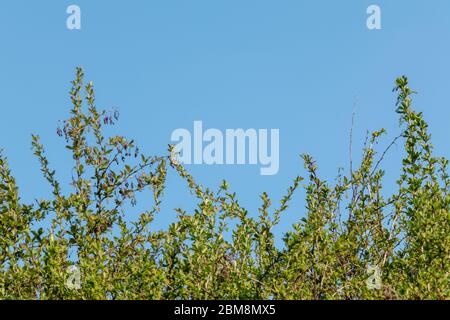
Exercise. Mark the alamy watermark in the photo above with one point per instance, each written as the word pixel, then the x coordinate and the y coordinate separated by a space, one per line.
pixel 73 21
pixel 73 281
pixel 235 146
pixel 374 19
pixel 374 280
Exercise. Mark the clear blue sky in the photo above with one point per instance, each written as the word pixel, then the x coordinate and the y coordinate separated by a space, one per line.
pixel 293 65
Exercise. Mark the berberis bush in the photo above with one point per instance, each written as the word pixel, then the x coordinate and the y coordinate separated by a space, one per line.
pixel 349 233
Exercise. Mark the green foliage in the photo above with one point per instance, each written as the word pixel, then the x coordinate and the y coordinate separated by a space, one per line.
pixel 348 227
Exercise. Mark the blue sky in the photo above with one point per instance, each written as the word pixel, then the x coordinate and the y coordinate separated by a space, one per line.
pixel 297 66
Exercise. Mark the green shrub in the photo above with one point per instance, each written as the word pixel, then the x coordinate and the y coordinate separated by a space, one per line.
pixel 348 229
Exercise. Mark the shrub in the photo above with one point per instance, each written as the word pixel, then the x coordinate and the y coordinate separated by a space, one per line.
pixel 349 228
